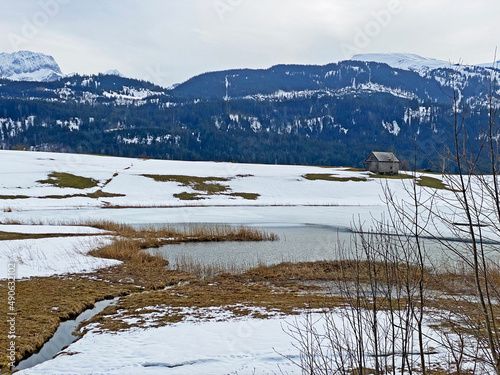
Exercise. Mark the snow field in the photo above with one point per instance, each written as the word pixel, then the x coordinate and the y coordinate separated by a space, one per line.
pixel 52 256
pixel 243 346
pixel 222 345
pixel 276 184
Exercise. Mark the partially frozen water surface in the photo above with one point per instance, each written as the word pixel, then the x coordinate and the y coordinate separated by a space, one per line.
pixel 297 243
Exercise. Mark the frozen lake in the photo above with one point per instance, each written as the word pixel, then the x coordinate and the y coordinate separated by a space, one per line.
pixel 297 243
pixel 307 233
pixel 338 216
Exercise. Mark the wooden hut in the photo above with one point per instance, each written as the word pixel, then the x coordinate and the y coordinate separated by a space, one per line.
pixel 382 163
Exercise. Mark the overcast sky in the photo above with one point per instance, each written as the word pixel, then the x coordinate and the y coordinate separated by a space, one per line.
pixel 169 41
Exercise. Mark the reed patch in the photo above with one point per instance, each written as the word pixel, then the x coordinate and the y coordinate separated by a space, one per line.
pixel 129 241
pixel 68 180
pixel 203 186
pixel 399 176
pixel 43 302
pixel 331 177
pixel 432 182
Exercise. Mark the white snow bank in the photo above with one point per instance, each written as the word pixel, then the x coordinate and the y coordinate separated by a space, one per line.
pixel 244 347
pixel 49 229
pixel 234 347
pixel 52 256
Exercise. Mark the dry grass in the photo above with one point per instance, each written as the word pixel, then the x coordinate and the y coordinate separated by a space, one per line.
pixel 185 196
pixel 431 182
pixel 204 233
pixel 68 180
pixel 102 194
pixel 330 177
pixel 14 197
pixel 247 196
pixel 186 263
pixel 95 195
pixel 142 279
pixel 130 241
pixel 106 225
pixel 9 236
pixel 399 176
pixel 225 291
pixel 346 270
pixel 42 303
pixel 204 184
pixel 353 169
pixel 260 292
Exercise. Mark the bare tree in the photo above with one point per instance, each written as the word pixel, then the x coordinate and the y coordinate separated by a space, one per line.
pixel 393 287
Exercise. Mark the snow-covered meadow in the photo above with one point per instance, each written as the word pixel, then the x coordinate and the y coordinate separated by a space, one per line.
pixel 275 184
pixel 285 197
pixel 223 344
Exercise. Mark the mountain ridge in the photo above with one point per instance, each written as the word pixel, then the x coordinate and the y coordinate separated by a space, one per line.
pixel 333 114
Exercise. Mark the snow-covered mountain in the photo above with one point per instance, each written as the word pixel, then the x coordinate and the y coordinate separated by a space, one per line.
pixel 405 61
pixel 293 114
pixel 29 66
pixel 413 62
pixel 113 72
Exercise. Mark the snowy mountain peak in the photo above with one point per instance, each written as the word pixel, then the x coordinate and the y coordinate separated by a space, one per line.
pixel 405 61
pixel 29 66
pixel 113 72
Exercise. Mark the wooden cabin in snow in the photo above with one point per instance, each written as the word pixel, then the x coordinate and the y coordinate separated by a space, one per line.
pixel 382 163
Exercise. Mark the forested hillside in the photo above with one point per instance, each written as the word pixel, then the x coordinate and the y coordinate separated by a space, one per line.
pixel 322 115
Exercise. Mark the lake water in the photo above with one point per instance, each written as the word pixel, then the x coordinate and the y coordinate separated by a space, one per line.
pixel 297 243
pixel 307 233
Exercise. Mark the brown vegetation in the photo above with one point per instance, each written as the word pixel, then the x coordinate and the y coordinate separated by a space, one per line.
pixel 330 177
pixel 68 180
pixel 42 303
pixel 204 186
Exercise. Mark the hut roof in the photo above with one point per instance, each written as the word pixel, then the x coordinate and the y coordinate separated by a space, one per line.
pixel 384 157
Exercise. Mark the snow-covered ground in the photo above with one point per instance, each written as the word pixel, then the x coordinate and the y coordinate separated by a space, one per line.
pixel 223 345
pixel 52 256
pixel 285 198
pixel 237 346
pixel 49 229
pixel 283 192
pixel 276 184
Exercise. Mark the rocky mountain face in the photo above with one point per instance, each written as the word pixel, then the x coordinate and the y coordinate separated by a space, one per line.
pixel 334 114
pixel 29 66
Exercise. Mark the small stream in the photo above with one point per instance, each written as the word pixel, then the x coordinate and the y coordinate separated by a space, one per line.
pixel 63 336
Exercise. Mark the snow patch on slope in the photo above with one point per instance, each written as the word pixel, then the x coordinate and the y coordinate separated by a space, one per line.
pixel 404 61
pixel 393 128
